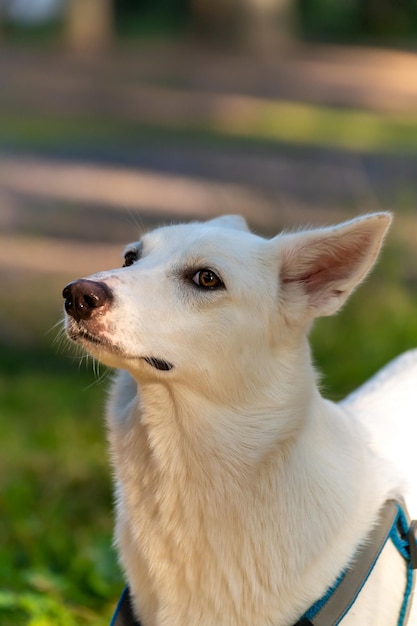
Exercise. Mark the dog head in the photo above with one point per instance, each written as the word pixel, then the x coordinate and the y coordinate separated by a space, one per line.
pixel 210 302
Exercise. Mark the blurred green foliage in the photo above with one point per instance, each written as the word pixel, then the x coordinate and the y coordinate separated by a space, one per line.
pixel 151 17
pixel 350 21
pixel 347 20
pixel 384 21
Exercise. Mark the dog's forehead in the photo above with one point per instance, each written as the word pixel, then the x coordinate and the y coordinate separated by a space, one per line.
pixel 201 239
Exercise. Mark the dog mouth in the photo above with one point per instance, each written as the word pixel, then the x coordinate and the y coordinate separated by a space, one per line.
pixel 159 364
pixel 81 335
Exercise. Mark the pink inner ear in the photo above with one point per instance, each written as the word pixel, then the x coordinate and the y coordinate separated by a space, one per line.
pixel 327 262
pixel 324 270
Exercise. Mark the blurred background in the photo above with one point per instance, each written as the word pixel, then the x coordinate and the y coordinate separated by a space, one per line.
pixel 117 116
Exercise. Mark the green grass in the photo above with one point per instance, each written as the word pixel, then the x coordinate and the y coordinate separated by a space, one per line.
pixel 56 561
pixel 262 123
pixel 314 125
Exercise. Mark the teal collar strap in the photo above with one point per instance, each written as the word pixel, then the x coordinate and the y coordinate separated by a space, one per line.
pixel 394 525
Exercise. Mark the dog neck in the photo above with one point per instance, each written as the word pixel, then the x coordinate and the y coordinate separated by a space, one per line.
pixel 193 429
pixel 192 475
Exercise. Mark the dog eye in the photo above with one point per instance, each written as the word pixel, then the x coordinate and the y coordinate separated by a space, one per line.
pixel 207 279
pixel 130 257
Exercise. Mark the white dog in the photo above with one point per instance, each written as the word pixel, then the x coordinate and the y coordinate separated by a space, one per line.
pixel 244 497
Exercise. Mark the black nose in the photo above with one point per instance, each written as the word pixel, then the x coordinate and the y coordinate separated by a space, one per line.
pixel 85 297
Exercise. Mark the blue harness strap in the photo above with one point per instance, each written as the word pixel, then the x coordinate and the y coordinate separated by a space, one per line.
pixel 339 598
pixel 332 607
pixel 123 615
pixel 403 536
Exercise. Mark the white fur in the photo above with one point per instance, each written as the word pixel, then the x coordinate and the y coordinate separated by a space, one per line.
pixel 241 493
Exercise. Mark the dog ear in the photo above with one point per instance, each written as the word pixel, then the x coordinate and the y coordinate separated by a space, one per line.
pixel 236 222
pixel 325 265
